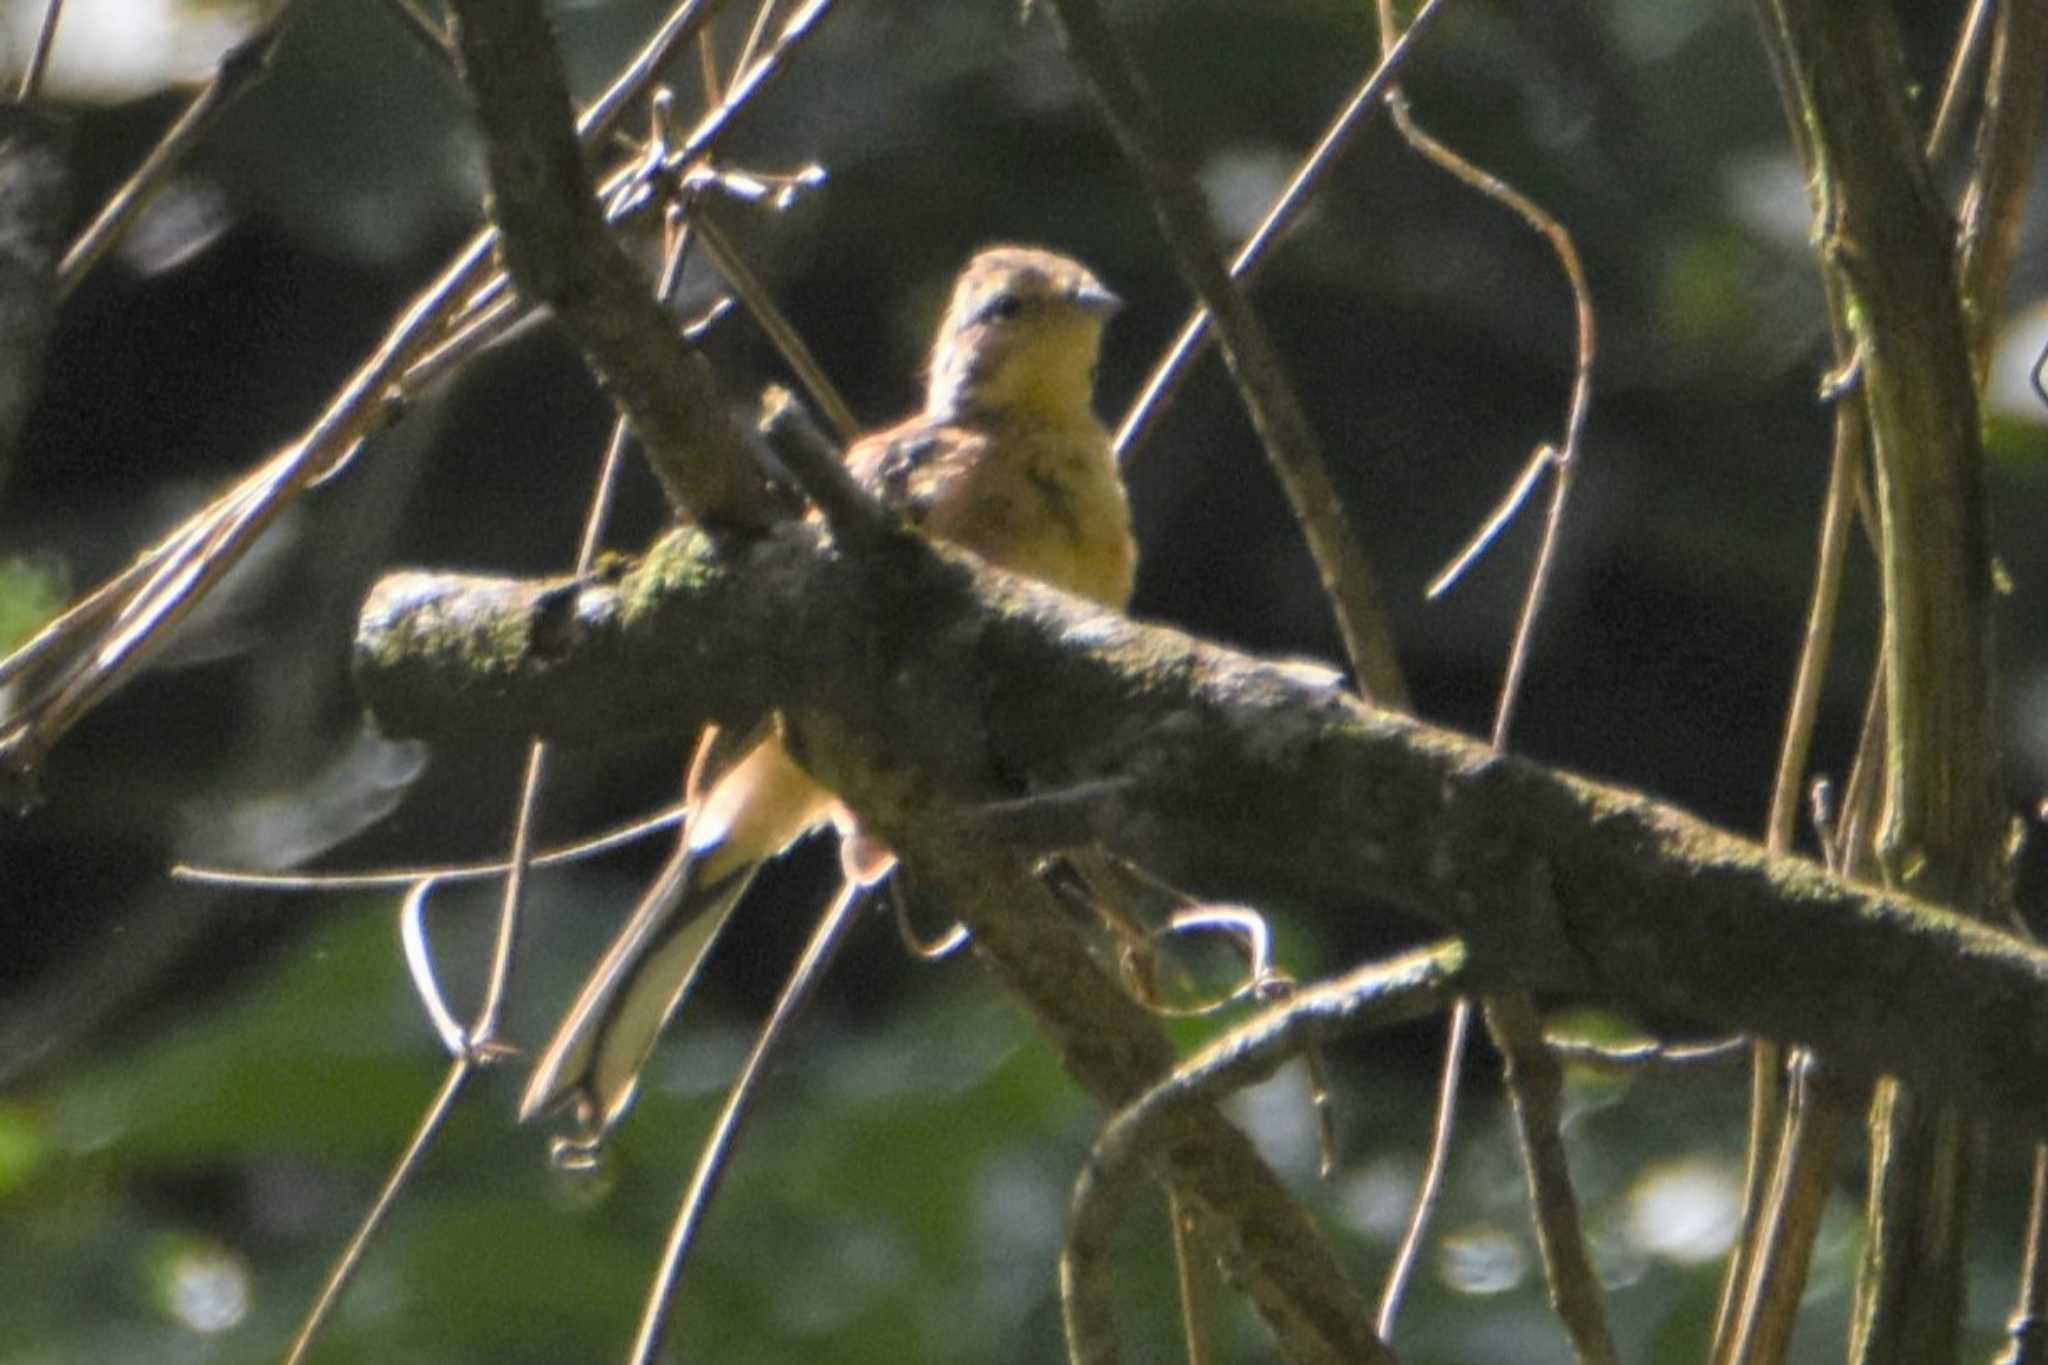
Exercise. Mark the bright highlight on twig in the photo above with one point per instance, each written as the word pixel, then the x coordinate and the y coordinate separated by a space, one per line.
pixel 1544 458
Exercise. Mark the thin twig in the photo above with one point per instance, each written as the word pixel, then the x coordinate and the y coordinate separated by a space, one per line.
pixel 714 1158
pixel 755 33
pixel 240 70
pixel 707 66
pixel 1649 1056
pixel 2028 1325
pixel 1757 1243
pixel 1778 1241
pixel 1762 1241
pixel 754 296
pixel 1349 582
pixel 344 1268
pixel 1552 1200
pixel 1815 1120
pixel 1948 115
pixel 1993 204
pixel 39 55
pixel 1430 1191
pixel 1504 512
pixel 1564 458
pixel 394 878
pixel 1195 334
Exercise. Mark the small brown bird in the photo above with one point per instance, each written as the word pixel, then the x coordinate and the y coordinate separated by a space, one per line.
pixel 1008 460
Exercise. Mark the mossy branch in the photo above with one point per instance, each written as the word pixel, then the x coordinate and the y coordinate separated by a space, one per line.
pixel 938 695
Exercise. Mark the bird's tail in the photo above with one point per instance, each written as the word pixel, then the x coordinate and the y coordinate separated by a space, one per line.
pixel 596 1055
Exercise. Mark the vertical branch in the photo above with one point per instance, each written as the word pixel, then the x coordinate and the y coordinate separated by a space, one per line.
pixel 2007 141
pixel 1782 1207
pixel 2007 138
pixel 1883 228
pixel 1537 1085
pixel 1785 1184
pixel 1347 575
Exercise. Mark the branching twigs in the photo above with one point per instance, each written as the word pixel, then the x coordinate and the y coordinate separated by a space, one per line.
pixel 1792 1139
pixel 1775 1244
pixel 2008 135
pixel 504 93
pixel 1533 1074
pixel 94 646
pixel 556 246
pixel 1777 1236
pixel 1349 581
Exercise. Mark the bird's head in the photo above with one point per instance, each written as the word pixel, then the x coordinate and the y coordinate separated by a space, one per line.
pixel 1020 338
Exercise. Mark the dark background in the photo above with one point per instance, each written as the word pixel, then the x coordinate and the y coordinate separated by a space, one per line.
pixel 201 1088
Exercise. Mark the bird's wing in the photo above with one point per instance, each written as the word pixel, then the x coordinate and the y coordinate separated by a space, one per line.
pixel 916 464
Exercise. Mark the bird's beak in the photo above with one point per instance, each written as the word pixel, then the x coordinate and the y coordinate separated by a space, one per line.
pixel 1093 298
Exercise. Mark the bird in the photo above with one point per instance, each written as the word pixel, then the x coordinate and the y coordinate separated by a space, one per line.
pixel 1006 459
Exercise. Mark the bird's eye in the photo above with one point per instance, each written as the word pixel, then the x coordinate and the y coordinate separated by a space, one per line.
pixel 1005 305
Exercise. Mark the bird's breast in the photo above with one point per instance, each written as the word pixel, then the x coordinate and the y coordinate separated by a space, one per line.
pixel 1044 503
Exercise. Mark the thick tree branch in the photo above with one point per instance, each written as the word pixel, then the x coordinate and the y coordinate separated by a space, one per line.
pixel 1267 1244
pixel 556 247
pixel 915 680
